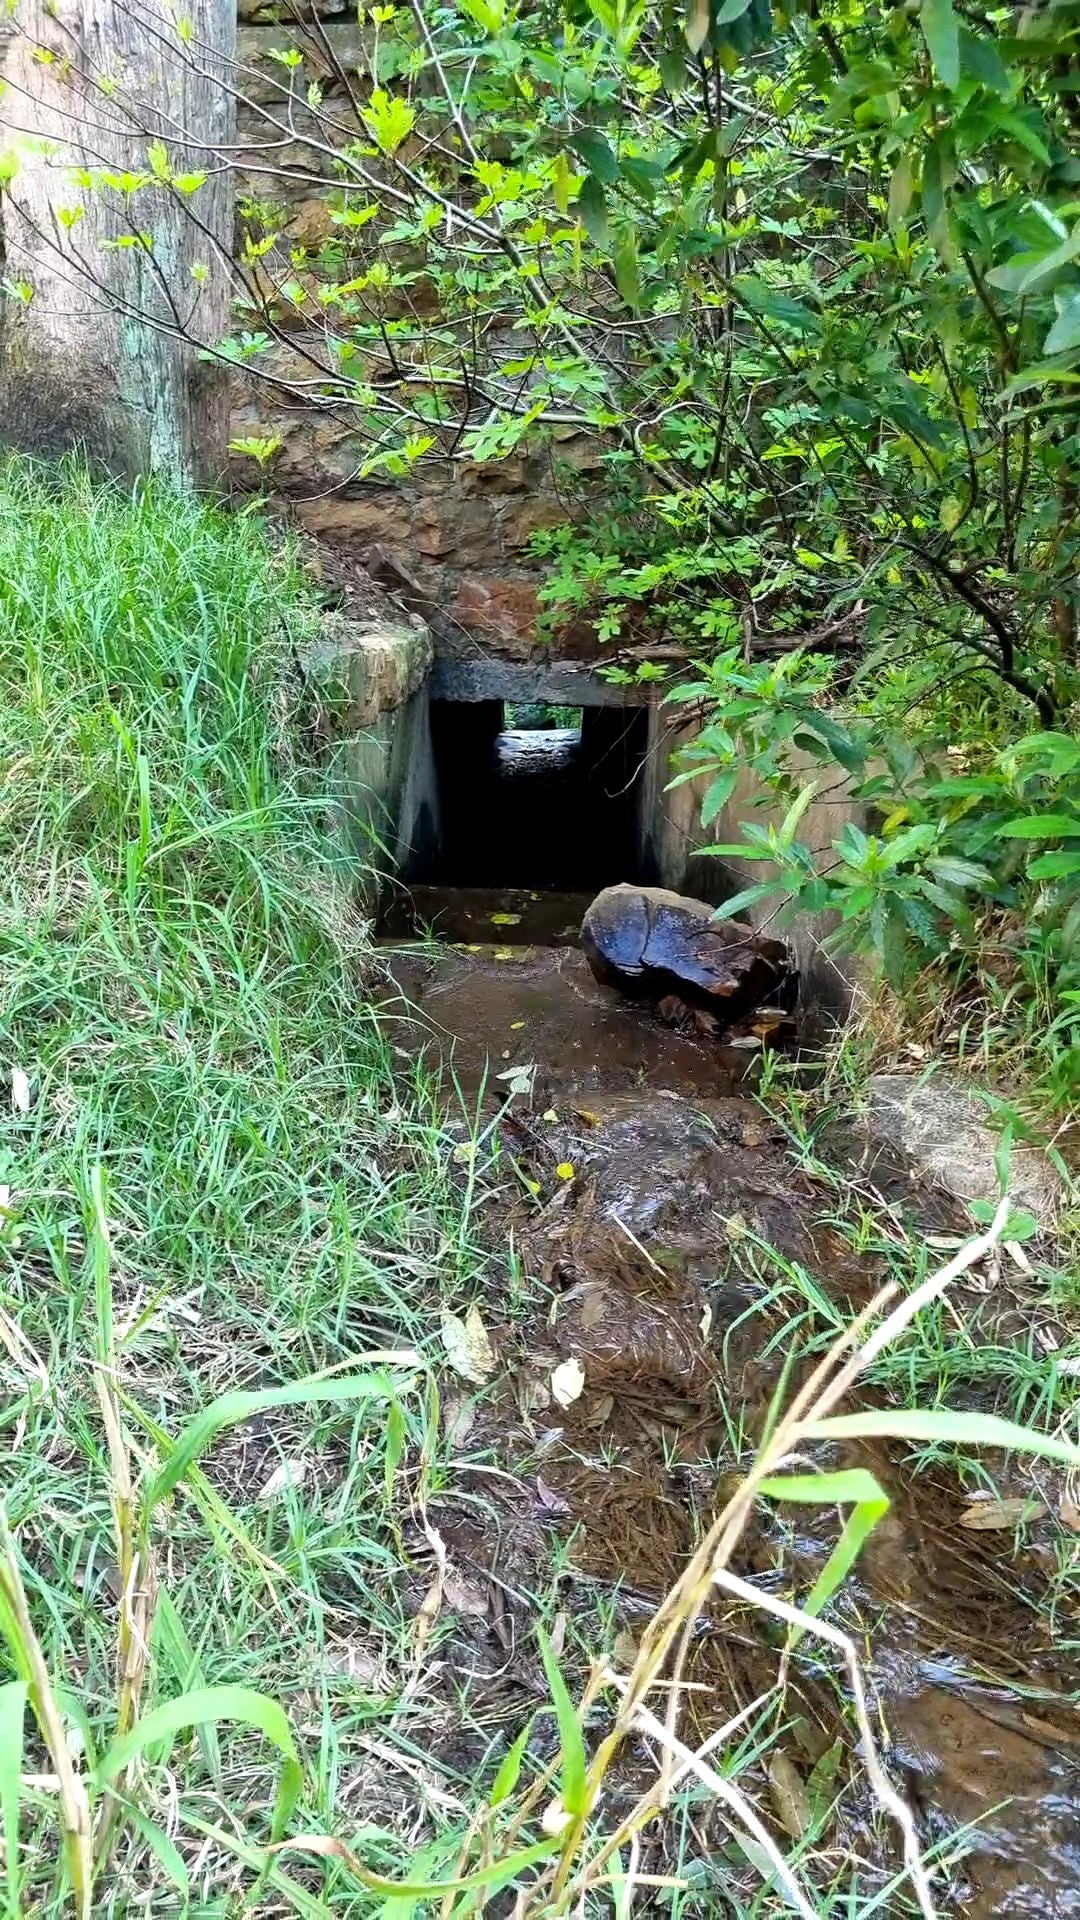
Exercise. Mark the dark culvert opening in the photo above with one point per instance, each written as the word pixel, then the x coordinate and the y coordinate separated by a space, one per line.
pixel 538 797
pixel 534 809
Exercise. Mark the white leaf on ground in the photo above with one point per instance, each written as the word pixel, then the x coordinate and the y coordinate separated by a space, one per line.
pixel 988 1516
pixel 287 1473
pixel 20 1090
pixel 519 1080
pixel 467 1345
pixel 568 1382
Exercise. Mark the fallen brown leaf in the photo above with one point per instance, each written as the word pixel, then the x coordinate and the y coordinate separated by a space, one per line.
pixel 789 1796
pixel 991 1516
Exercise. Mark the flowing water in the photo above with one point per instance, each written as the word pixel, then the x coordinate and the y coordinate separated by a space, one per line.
pixel 663 1263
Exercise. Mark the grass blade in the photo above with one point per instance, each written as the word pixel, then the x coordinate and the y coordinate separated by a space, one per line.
pixel 13 1698
pixel 231 1408
pixel 869 1504
pixel 206 1705
pixel 947 1427
pixel 573 1746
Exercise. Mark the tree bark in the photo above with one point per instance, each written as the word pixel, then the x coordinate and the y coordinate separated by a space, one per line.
pixel 110 292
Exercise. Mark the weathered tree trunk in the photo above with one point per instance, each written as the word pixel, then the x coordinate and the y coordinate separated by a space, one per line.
pixel 115 290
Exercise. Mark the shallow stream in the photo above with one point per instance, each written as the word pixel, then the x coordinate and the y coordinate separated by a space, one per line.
pixel 663 1261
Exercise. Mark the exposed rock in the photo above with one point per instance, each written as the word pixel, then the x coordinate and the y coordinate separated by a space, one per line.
pixel 649 942
pixel 943 1127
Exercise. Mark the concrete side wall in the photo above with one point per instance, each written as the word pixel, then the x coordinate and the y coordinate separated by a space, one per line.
pixel 371 677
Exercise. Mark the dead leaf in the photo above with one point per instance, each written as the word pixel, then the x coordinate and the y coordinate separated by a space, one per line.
pixel 466 1596
pixel 602 1411
pixel 587 1117
pixel 467 1345
pixel 991 1516
pixel 557 1636
pixel 533 1389
pixel 459 1419
pixel 696 24
pixel 354 1662
pixel 568 1382
pixel 286 1475
pixel 789 1795
pixel 519 1080
pixel 1046 1730
pixel 506 919
pixel 20 1090
pixel 548 1498
pixel 554 1819
pixel 1069 1515
pixel 625 1649
pixel 431 1605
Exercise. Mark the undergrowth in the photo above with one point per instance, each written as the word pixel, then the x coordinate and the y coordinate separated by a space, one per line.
pixel 231 1210
pixel 183 1035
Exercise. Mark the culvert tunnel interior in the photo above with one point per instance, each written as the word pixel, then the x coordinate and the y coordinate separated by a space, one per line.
pixel 535 798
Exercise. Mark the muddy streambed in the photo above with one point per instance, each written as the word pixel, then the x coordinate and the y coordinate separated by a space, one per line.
pixel 667 1242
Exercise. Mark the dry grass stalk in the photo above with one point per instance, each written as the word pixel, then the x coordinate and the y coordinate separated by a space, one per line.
pixel 73 1802
pixel 563 1887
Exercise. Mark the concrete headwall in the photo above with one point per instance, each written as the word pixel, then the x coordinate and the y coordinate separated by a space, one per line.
pixel 371 678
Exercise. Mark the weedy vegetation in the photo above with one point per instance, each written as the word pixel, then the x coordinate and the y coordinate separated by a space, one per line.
pixel 232 1212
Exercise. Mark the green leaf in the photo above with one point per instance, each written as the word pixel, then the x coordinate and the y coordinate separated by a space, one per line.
pixel 935 171
pixel 746 898
pixel 1041 826
pixel 945 1427
pixel 592 210
pixel 942 35
pixel 794 814
pixel 572 1744
pixel 627 267
pixel 901 187
pixel 510 1768
pixel 166 1853
pixel 13 1698
pixel 231 1408
pixel 390 119
pixel 854 1487
pixel 1064 335
pixel 980 60
pixel 488 14
pixel 959 873
pixel 1054 866
pixel 772 304
pixel 717 795
pixel 1027 135
pixel 730 10
pixel 178 1657
pixel 234 1705
pixel 1050 263
pixel 597 154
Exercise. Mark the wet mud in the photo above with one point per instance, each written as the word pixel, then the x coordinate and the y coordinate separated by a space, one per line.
pixel 671 1266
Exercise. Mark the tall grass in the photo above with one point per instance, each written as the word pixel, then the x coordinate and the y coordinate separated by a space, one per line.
pixel 211 1180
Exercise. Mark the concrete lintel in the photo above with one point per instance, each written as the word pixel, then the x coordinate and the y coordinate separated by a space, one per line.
pixel 558 683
